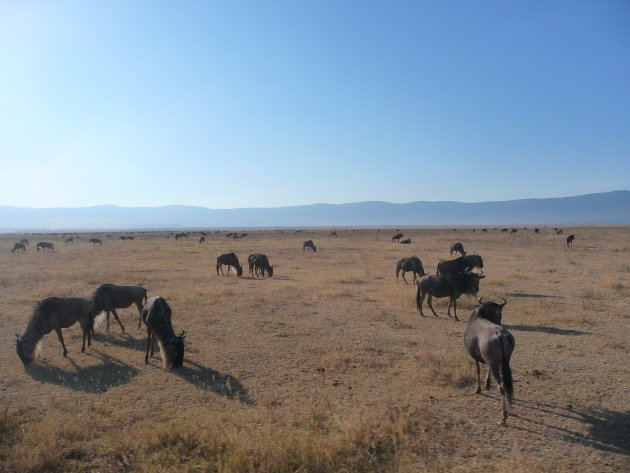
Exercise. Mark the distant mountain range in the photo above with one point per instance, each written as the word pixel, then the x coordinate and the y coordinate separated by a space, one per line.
pixel 603 208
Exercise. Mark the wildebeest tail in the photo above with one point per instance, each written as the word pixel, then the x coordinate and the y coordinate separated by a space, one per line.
pixel 506 374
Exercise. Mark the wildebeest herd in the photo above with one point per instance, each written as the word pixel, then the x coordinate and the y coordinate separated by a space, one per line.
pixel 484 338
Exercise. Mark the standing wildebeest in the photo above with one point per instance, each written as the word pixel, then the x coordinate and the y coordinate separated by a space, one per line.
pixel 504 229
pixel 308 245
pixel 559 231
pixel 109 297
pixel 487 342
pixel 536 230
pixel 96 241
pixel 397 237
pixel 24 241
pixel 69 240
pixel 514 230
pixel 202 239
pixel 485 230
pixel 459 265
pixel 405 242
pixel 156 315
pixel 258 264
pixel 458 248
pixel 570 239
pixel 55 313
pixel 333 233
pixel 413 264
pixel 451 286
pixel 131 238
pixel 123 238
pixel 45 246
pixel 17 247
pixel 231 261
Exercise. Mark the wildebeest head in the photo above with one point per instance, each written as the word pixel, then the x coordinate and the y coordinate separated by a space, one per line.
pixel 175 351
pixel 239 270
pixel 491 311
pixel 474 261
pixel 471 282
pixel 23 351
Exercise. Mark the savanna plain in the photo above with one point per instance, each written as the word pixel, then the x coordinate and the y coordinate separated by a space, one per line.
pixel 325 367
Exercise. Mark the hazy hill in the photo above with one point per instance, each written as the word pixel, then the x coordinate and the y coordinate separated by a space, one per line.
pixel 603 208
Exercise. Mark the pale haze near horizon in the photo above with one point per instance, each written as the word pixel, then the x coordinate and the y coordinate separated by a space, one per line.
pixel 248 104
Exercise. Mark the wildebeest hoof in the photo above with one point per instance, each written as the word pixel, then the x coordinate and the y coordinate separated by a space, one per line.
pixel 478 391
pixel 83 350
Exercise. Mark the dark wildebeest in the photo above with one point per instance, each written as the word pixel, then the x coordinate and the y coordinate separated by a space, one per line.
pixel 333 234
pixel 258 264
pixel 559 231
pixel 405 242
pixel 536 230
pixel 451 286
pixel 202 239
pixel 69 240
pixel 308 245
pixel 485 230
pixel 243 235
pixel 459 265
pixel 458 248
pixel 131 238
pixel 514 230
pixel 17 247
pixel 397 237
pixel 413 264
pixel 45 246
pixel 231 235
pixel 24 241
pixel 109 297
pixel 123 238
pixel 504 229
pixel 570 239
pixel 55 313
pixel 156 315
pixel 96 241
pixel 231 261
pixel 487 342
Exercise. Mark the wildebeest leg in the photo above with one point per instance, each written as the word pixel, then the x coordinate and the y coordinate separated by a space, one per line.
pixel 65 351
pixel 488 379
pixel 118 319
pixel 86 331
pixel 403 276
pixel 146 355
pixel 495 369
pixel 478 391
pixel 455 308
pixel 430 298
pixel 107 326
pixel 139 306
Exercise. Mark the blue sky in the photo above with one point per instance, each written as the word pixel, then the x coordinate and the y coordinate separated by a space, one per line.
pixel 252 104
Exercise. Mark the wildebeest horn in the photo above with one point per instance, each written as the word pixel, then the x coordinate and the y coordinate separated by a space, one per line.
pixel 480 300
pixel 504 302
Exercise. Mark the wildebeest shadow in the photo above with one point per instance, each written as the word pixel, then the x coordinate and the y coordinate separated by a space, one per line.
pixel 541 328
pixel 94 379
pixel 608 430
pixel 207 378
pixel 537 296
pixel 124 340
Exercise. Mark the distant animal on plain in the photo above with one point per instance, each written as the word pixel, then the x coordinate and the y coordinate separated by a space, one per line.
pixel 243 235
pixel 156 315
pixel 25 241
pixel 459 265
pixel 55 313
pixel 123 238
pixel 558 231
pixel 333 234
pixel 258 264
pixel 308 245
pixel 405 242
pixel 109 297
pixel 514 230
pixel 485 230
pixel 451 286
pixel 69 240
pixel 458 248
pixel 231 261
pixel 202 239
pixel 570 239
pixel 131 238
pixel 45 246
pixel 487 342
pixel 537 230
pixel 397 237
pixel 17 247
pixel 96 241
pixel 412 264
pixel 504 229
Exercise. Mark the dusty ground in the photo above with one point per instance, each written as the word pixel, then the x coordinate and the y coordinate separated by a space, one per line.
pixel 327 366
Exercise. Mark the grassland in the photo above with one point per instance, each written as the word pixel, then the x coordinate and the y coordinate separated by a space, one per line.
pixel 327 366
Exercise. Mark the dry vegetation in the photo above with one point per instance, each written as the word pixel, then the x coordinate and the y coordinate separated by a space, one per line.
pixel 326 367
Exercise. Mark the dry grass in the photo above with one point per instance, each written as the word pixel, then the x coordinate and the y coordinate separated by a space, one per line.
pixel 325 367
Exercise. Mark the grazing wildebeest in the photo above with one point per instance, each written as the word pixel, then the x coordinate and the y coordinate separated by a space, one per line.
pixel 333 234
pixel 45 246
pixel 536 230
pixel 570 239
pixel 504 229
pixel 96 241
pixel 69 240
pixel 55 313
pixel 308 245
pixel 451 286
pixel 258 264
pixel 231 261
pixel 485 230
pixel 156 315
pixel 458 248
pixel 514 230
pixel 202 239
pixel 459 265
pixel 131 238
pixel 405 242
pixel 243 235
pixel 413 264
pixel 487 342
pixel 231 235
pixel 24 241
pixel 558 231
pixel 17 247
pixel 109 297
pixel 397 237
pixel 123 238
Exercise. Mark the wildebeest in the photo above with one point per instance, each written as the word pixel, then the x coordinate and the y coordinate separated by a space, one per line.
pixel 570 239
pixel 451 286
pixel 514 230
pixel 413 264
pixel 45 246
pixel 536 230
pixel 156 315
pixel 485 230
pixel 559 231
pixel 487 342
pixel 55 313
pixel 109 297
pixel 131 238
pixel 406 242
pixel 504 229
pixel 202 239
pixel 231 261
pixel 25 241
pixel 258 264
pixel 308 245
pixel 69 240
pixel 333 234
pixel 458 248
pixel 397 237
pixel 96 241
pixel 243 235
pixel 123 238
pixel 17 247
pixel 459 265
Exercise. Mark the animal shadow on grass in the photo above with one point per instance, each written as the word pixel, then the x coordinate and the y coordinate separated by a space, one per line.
pixel 124 340
pixel 541 328
pixel 536 296
pixel 608 430
pixel 95 379
pixel 207 378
